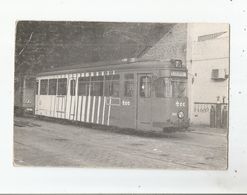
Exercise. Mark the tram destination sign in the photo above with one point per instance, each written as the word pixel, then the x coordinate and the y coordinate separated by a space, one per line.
pixel 178 74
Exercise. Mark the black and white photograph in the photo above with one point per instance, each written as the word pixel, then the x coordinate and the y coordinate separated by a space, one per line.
pixel 129 95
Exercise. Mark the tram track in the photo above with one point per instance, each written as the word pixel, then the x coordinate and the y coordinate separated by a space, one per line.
pixel 58 145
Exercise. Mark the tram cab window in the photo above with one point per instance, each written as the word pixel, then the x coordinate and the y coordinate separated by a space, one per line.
pixel 52 86
pixel 62 86
pixel 145 86
pixel 162 87
pixel 83 86
pixel 37 88
pixel 112 85
pixel 43 86
pixel 178 88
pixel 72 87
pixel 129 85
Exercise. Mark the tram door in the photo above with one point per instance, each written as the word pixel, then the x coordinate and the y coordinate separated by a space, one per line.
pixel 144 102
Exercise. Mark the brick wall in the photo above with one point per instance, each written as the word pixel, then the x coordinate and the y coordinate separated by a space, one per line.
pixel 171 45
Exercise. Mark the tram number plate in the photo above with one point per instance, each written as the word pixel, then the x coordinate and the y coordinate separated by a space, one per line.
pixel 125 103
pixel 180 104
pixel 178 74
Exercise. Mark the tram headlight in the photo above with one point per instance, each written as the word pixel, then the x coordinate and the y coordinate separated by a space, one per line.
pixel 180 114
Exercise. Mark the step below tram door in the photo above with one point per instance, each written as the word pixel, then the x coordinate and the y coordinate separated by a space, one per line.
pixel 144 102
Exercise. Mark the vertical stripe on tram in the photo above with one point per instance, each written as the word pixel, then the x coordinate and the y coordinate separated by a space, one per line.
pixel 84 98
pixel 86 105
pixel 50 104
pixel 81 98
pixel 103 111
pixel 98 110
pixel 58 101
pixel 74 102
pixel 80 119
pixel 93 107
pixel 54 103
pixel 77 97
pixel 89 103
pixel 82 102
pixel 70 102
pixel 61 104
pixel 102 102
pixel 38 98
pixel 78 109
pixel 88 108
pixel 66 102
pixel 86 101
pixel 109 112
pixel 91 100
pixel 61 110
pixel 51 98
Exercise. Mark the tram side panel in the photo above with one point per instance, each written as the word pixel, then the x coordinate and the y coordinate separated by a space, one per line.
pixel 123 108
pixel 162 113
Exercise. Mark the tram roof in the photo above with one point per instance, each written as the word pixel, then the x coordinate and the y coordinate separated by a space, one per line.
pixel 125 64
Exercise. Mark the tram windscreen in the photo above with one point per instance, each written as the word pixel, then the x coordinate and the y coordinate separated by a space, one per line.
pixel 166 87
pixel 163 87
pixel 178 88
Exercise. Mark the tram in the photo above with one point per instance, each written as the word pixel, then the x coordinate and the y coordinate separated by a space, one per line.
pixel 131 93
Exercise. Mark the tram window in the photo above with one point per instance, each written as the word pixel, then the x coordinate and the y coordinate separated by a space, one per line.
pixel 115 89
pixel 129 85
pixel 37 88
pixel 178 88
pixel 97 78
pixel 52 86
pixel 72 87
pixel 162 87
pixel 107 88
pixel 128 88
pixel 43 86
pixel 97 86
pixel 62 86
pixel 129 76
pixel 145 86
pixel 112 85
pixel 83 86
pixel 112 77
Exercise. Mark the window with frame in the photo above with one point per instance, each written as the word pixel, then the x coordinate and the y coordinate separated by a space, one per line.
pixel 52 86
pixel 145 86
pixel 72 87
pixel 163 87
pixel 178 88
pixel 62 86
pixel 83 86
pixel 112 85
pixel 97 86
pixel 43 86
pixel 129 85
pixel 215 73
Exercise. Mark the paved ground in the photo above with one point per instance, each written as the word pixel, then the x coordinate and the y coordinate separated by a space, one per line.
pixel 43 143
